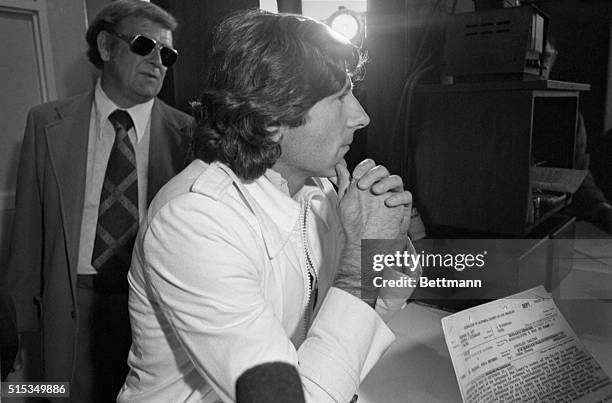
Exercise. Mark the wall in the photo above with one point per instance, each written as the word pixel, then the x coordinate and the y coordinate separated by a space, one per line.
pixel 193 39
pixel 67 23
pixel 72 75
pixel 395 31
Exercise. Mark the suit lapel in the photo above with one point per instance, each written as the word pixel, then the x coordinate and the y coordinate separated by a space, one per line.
pixel 67 140
pixel 167 148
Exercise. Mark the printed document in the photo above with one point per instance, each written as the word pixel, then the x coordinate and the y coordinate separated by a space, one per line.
pixel 521 349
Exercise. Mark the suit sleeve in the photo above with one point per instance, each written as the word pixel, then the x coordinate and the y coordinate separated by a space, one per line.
pixel 21 278
pixel 205 268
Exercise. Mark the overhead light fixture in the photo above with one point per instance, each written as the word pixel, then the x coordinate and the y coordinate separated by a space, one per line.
pixel 348 23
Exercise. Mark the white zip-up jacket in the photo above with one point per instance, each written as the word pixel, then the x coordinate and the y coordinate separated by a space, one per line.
pixel 219 283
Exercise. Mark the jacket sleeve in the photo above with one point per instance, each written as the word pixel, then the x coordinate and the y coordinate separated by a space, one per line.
pixel 21 278
pixel 589 196
pixel 205 268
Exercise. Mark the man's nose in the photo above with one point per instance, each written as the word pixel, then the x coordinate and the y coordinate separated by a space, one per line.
pixel 155 56
pixel 359 118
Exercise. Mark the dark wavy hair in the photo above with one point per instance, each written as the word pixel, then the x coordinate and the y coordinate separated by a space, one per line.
pixel 115 12
pixel 267 71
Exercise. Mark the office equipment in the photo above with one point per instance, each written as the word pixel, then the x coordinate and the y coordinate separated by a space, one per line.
pixel 495 43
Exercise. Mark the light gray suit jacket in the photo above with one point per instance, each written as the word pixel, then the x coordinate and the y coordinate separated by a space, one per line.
pixel 42 269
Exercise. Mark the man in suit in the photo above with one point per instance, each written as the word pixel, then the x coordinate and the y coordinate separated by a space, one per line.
pixel 89 167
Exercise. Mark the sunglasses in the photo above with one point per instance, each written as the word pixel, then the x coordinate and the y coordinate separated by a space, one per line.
pixel 142 45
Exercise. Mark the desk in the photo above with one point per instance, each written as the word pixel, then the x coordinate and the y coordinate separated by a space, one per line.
pixel 585 294
pixel 417 367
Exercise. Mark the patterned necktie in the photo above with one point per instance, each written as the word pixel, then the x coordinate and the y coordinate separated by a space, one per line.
pixel 118 211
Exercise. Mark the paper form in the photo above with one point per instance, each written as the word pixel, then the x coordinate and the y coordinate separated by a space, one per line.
pixel 556 179
pixel 521 349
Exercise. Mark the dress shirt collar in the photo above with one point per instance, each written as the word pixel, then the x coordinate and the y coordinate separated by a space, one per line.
pixel 312 188
pixel 271 194
pixel 277 180
pixel 140 113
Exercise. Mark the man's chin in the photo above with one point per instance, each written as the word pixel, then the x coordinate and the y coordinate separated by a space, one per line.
pixel 149 90
pixel 329 173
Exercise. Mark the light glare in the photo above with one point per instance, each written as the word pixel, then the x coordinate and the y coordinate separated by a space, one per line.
pixel 346 25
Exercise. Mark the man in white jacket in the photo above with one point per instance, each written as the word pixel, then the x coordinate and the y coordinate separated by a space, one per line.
pixel 250 256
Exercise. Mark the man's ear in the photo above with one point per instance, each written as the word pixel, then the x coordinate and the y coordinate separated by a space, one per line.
pixel 277 131
pixel 104 45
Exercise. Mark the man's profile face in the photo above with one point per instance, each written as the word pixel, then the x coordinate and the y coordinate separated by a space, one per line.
pixel 314 148
pixel 128 78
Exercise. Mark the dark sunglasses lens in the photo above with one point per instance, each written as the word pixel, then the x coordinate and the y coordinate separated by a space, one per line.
pixel 142 45
pixel 168 56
